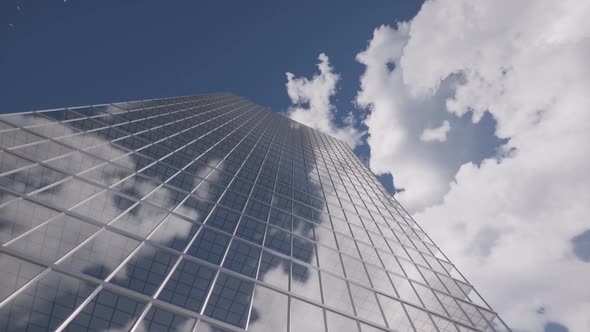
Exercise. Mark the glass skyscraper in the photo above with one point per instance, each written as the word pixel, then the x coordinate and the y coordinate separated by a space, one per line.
pixel 209 213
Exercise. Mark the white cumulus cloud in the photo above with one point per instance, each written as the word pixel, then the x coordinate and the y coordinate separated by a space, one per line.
pixel 436 134
pixel 315 93
pixel 508 222
pixel 397 119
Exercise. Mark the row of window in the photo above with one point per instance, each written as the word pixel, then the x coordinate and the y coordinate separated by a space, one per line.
pixel 250 162
pixel 136 181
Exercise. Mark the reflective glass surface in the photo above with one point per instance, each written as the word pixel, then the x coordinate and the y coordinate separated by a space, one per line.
pixel 209 213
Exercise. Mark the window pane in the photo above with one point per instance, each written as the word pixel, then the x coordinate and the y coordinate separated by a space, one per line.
pixel 251 230
pixel 274 270
pixel 306 317
pixel 146 270
pixel 188 286
pixel 101 255
pixel 210 245
pixel 243 258
pixel 269 311
pixel 141 219
pixel 45 304
pixel 158 319
pixel 67 194
pixel 104 207
pixel 14 274
pixel 278 240
pixel 366 305
pixel 55 238
pixel 175 232
pixel 107 311
pixel 31 179
pixel 340 323
pixel 19 216
pixel 336 293
pixel 203 326
pixel 230 300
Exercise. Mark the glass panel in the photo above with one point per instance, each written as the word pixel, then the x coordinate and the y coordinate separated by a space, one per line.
pixel 394 314
pixel 31 179
pixel 55 238
pixel 366 305
pixel 141 219
pixel 223 219
pixel 476 317
pixel 453 309
pixel 278 240
pixel 368 253
pixel 194 209
pixel 174 232
pixel 230 300
pixel 242 258
pixel 274 270
pixel 404 289
pixel 14 274
pixel 107 174
pixel 306 282
pixel 188 285
pixel 166 197
pixel 429 299
pixel 380 280
pixel 329 260
pixel 304 228
pixel 17 137
pixel 6 197
pixel 137 186
pixel 269 311
pixel 306 317
pixel 355 270
pixel 210 245
pixel 444 325
pixel 390 262
pixel 304 250
pixel 19 216
pixel 158 319
pixel 101 255
pixel 257 210
pixel 43 151
pixel 44 305
pixel 347 246
pixel 251 230
pixel 146 270
pixel 369 328
pixel 104 207
pixel 336 293
pixel 10 162
pixel 340 323
pixel 420 319
pixel 67 194
pixel 107 311
pixel 203 326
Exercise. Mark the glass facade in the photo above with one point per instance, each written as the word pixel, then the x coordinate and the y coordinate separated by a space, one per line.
pixel 209 213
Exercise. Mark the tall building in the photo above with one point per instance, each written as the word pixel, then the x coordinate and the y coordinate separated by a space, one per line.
pixel 209 213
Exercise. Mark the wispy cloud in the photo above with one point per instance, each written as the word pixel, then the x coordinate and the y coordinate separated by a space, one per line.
pixel 315 93
pixel 436 134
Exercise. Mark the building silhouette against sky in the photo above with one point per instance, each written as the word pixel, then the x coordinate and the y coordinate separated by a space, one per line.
pixel 209 213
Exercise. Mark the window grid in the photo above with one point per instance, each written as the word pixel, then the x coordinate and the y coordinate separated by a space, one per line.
pixel 170 162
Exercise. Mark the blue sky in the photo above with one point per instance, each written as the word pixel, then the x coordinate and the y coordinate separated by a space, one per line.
pixel 58 54
pixel 81 52
pixel 477 110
